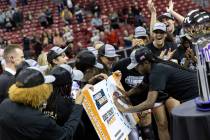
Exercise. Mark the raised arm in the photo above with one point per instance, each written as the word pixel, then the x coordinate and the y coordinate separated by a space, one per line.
pixel 153 12
pixel 177 16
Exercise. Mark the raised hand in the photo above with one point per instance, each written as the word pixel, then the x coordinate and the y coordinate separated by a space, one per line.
pixel 170 7
pixel 162 54
pixel 102 76
pixel 167 56
pixel 137 42
pixel 151 6
pixel 187 55
pixel 192 55
pixel 118 74
pixel 149 3
pixel 80 97
pixel 170 53
pixel 98 77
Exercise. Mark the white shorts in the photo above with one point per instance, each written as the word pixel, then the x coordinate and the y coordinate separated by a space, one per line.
pixel 155 105
pixel 158 104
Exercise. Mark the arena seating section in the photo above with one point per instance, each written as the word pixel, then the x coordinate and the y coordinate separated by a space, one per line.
pixel 182 6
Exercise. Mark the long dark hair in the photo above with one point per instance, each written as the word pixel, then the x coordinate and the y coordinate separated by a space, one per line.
pixel 62 91
pixel 61 88
pixel 82 66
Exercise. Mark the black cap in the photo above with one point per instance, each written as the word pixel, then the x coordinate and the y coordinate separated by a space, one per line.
pixel 87 57
pixel 31 77
pixel 138 56
pixel 165 15
pixel 64 74
pixel 63 77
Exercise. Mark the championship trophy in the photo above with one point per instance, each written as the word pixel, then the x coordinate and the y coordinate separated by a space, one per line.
pixel 197 26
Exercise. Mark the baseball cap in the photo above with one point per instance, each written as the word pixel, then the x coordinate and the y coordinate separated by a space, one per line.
pixel 54 53
pixel 165 15
pixel 107 50
pixel 87 57
pixel 93 50
pixel 33 63
pixel 75 74
pixel 65 75
pixel 159 26
pixel 137 56
pixel 140 31
pixel 31 77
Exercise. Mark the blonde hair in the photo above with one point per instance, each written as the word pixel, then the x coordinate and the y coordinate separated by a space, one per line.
pixel 34 96
pixel 42 59
pixel 98 45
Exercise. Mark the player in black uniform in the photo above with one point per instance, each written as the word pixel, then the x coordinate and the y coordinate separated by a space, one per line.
pixel 164 78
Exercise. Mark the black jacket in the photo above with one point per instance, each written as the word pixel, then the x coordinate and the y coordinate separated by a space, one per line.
pixel 62 106
pixel 6 80
pixel 20 122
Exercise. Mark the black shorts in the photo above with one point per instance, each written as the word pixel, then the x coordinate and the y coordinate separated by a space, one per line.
pixel 141 97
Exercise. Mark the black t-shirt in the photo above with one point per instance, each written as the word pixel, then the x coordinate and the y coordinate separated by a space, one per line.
pixel 130 79
pixel 177 83
pixel 157 51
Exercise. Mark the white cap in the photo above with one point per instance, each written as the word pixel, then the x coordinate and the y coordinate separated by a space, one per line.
pixel 159 26
pixel 133 63
pixel 108 51
pixel 93 50
pixel 140 31
pixel 58 50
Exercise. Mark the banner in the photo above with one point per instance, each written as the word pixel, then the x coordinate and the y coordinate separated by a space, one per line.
pixel 109 123
pixel 205 52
